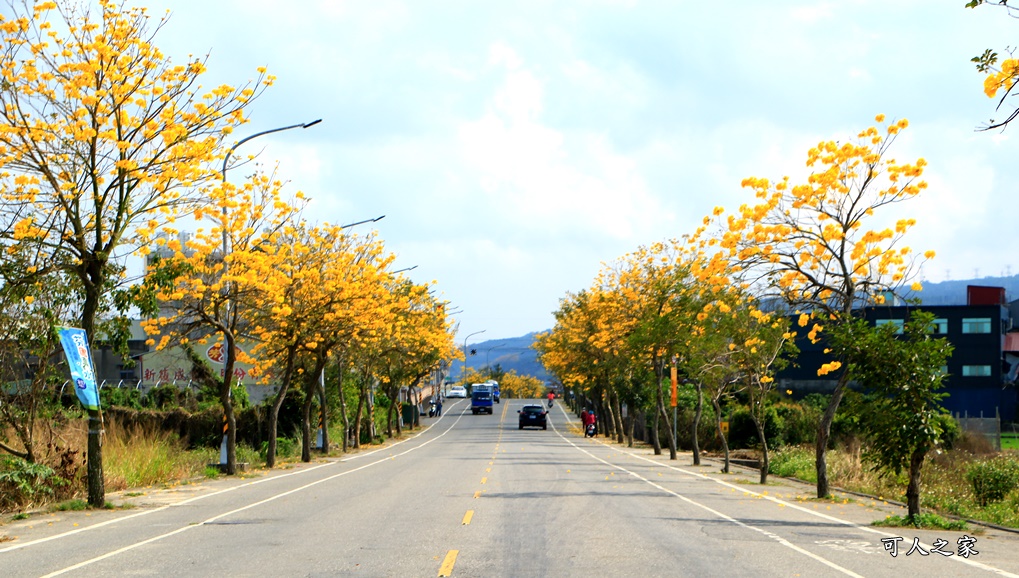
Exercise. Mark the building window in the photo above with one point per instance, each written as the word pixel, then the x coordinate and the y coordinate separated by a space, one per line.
pixel 976 325
pixel 897 322
pixel 940 327
pixel 976 370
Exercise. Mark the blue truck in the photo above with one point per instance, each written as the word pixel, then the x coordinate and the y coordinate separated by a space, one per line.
pixel 481 398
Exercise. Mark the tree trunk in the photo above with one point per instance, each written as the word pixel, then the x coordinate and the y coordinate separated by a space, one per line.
pixel 659 374
pixel 759 424
pixel 323 409
pixel 695 426
pixel 668 430
pixel 226 399
pixel 96 484
pixel 274 412
pixel 618 413
pixel 655 441
pixel 357 416
pixel 824 433
pixel 721 434
pixel 632 419
pixel 311 385
pixel 395 407
pixel 610 432
pixel 309 398
pixel 913 489
pixel 343 410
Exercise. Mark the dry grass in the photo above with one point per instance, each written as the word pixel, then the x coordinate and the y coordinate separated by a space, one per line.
pixel 944 488
pixel 146 456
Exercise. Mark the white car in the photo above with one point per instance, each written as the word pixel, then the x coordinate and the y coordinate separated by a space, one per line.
pixel 457 391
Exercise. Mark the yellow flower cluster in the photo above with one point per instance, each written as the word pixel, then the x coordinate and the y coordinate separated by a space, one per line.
pixel 1004 77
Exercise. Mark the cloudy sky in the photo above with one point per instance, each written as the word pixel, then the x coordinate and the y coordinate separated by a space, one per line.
pixel 514 146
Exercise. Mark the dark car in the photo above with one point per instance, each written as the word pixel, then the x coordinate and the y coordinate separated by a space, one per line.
pixel 533 416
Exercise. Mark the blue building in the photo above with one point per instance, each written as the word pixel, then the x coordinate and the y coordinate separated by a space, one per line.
pixel 982 370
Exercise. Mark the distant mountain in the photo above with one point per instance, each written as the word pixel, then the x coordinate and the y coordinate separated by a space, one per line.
pixel 953 292
pixel 512 354
pixel 517 354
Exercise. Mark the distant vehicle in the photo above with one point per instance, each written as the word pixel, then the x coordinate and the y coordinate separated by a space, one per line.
pixel 457 391
pixel 533 416
pixel 495 389
pixel 481 398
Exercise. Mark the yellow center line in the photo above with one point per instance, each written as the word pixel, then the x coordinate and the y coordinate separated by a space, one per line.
pixel 447 565
pixel 477 494
pixel 467 517
pixel 484 480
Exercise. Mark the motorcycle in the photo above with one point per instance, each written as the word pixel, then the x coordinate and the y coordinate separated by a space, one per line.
pixel 589 431
pixel 550 403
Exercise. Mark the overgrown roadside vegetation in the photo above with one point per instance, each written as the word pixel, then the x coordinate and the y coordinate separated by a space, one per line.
pixel 965 480
pixel 969 481
pixel 138 457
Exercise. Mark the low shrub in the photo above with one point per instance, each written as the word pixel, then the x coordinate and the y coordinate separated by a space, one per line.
pixel 928 520
pixel 993 479
pixel 793 462
pixel 122 397
pixel 800 421
pixel 285 448
pixel 743 432
pixel 24 483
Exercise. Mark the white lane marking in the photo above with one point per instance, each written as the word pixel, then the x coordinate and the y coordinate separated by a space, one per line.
pixel 721 515
pixel 793 505
pixel 960 559
pixel 248 507
pixel 223 491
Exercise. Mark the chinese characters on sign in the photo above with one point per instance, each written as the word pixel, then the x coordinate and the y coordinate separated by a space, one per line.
pixel 171 365
pixel 966 547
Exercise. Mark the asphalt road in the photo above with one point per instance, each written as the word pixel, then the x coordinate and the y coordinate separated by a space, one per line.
pixel 475 496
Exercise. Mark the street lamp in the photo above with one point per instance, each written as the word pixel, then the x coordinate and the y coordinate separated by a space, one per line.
pixel 375 220
pixel 465 353
pixel 230 151
pixel 404 269
pixel 489 352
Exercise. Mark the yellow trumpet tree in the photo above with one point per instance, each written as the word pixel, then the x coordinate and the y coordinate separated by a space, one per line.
pixel 102 139
pixel 286 311
pixel 568 350
pixel 419 338
pixel 760 343
pixel 653 306
pixel 205 295
pixel 1000 77
pixel 808 244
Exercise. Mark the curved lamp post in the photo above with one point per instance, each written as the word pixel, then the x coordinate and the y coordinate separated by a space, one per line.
pixel 489 352
pixel 230 151
pixel 375 220
pixel 465 353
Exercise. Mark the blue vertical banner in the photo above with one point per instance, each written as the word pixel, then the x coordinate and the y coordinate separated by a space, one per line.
pixel 79 360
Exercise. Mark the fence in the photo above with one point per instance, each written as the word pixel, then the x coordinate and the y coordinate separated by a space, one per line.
pixel 989 427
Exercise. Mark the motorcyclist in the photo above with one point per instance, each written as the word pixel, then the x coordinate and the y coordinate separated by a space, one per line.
pixel 589 420
pixel 551 396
